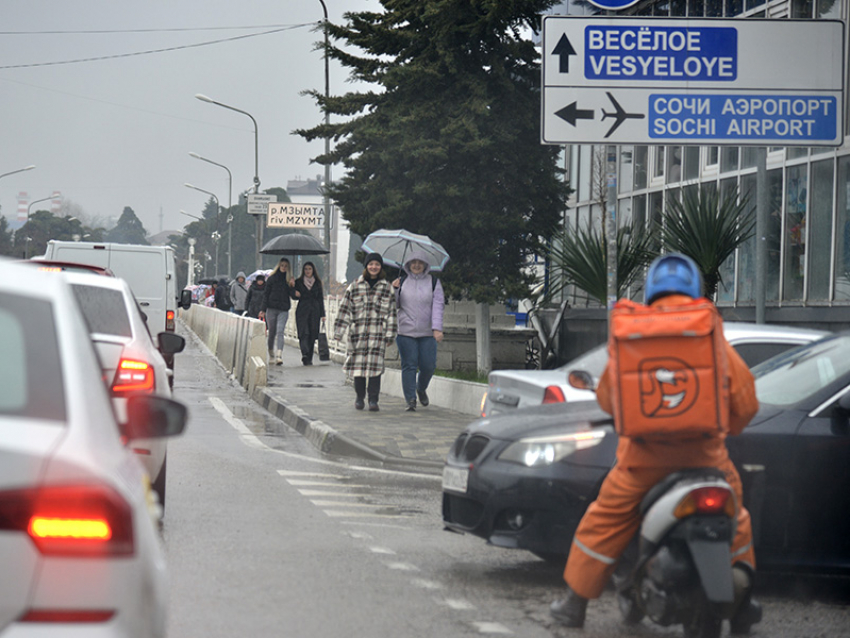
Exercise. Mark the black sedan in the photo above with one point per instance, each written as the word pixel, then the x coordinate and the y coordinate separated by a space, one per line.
pixel 524 481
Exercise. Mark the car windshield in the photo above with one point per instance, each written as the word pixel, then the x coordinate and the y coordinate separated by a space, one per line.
pixel 593 362
pixel 797 374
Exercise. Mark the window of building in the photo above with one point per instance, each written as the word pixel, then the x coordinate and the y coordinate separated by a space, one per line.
pixel 796 198
pixel 691 162
pixel 656 209
pixel 627 172
pixel 820 231
pixel 752 4
pixel 696 8
pixel 842 231
pixel 674 164
pixel 639 210
pixel 713 8
pixel 712 154
pixel 795 152
pixel 585 178
pixel 641 166
pixel 728 159
pixel 829 9
pixel 726 287
pixel 749 156
pixel 678 8
pixel 773 236
pixel 734 8
pixel 745 288
pixel 659 153
pixel 802 8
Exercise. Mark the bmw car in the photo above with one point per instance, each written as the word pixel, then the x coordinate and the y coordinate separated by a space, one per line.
pixel 510 390
pixel 524 480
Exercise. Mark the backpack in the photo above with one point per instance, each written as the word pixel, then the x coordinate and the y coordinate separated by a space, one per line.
pixel 403 278
pixel 670 371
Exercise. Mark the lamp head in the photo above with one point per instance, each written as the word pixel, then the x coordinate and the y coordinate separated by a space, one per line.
pixel 204 98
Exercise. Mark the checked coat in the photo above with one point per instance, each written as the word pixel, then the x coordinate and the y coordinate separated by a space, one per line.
pixel 370 316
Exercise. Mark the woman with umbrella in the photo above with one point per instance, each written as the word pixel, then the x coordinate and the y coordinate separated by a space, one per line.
pixel 368 311
pixel 310 311
pixel 275 307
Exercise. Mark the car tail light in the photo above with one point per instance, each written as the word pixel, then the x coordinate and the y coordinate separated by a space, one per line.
pixel 67 615
pixel 133 376
pixel 169 320
pixel 706 500
pixel 554 394
pixel 70 520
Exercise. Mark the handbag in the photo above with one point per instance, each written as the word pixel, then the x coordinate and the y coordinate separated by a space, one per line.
pixel 324 350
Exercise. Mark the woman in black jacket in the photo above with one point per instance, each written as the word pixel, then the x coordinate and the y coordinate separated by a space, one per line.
pixel 254 300
pixel 310 310
pixel 275 308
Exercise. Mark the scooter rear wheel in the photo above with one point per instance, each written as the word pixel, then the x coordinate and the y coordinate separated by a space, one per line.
pixel 705 623
pixel 629 609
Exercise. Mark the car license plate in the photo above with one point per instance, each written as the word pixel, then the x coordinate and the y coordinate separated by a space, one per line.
pixel 455 479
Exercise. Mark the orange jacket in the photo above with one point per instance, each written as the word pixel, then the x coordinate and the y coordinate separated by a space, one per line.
pixel 702 452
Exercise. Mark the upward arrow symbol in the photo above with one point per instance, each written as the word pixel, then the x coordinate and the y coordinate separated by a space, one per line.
pixel 564 50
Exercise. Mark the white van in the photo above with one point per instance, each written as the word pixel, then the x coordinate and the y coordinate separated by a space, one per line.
pixel 149 270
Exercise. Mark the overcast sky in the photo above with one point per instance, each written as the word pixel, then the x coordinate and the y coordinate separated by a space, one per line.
pixel 117 132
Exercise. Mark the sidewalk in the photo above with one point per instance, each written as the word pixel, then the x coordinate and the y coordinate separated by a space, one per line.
pixel 316 401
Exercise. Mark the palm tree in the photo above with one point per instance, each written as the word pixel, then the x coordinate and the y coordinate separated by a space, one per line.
pixel 707 229
pixel 581 259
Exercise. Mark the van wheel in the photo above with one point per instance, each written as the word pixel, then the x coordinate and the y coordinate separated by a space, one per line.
pixel 159 484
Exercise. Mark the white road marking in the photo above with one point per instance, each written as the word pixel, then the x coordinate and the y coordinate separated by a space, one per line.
pixel 360 535
pixel 381 550
pixel 340 513
pixel 300 483
pixel 457 604
pixel 313 474
pixel 325 493
pixel 491 628
pixel 342 504
pixel 426 584
pixel 404 567
pixel 385 525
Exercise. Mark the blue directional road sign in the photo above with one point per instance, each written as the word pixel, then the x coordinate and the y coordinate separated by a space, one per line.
pixel 655 81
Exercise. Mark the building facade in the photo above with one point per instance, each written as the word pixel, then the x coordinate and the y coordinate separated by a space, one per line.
pixel 807 278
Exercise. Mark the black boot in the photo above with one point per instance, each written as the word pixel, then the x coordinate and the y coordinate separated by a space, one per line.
pixel 359 402
pixel 747 611
pixel 570 610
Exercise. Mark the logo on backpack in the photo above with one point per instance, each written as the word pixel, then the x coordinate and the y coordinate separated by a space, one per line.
pixel 668 387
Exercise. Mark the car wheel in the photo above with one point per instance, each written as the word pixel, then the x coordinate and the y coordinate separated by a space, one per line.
pixel 159 484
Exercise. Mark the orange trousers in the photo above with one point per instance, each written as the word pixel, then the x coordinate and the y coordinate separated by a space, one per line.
pixel 614 518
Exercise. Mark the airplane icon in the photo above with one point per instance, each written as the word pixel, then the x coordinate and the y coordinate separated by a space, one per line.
pixel 620 115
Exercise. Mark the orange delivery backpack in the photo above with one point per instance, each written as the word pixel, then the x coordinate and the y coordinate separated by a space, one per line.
pixel 670 371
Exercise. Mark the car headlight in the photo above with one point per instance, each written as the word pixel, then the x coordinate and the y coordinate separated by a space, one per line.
pixel 539 451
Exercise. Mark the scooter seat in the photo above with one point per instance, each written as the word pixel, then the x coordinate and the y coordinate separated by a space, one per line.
pixel 661 488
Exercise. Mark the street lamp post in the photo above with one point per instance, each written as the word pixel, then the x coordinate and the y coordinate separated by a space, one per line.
pixel 204 98
pixel 190 271
pixel 20 170
pixel 229 206
pixel 43 199
pixel 215 234
pixel 326 201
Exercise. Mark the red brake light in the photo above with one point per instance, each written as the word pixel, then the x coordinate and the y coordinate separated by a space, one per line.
pixel 73 520
pixel 67 615
pixel 554 394
pixel 169 320
pixel 133 376
pixel 706 500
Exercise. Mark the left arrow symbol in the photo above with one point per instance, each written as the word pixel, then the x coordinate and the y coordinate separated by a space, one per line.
pixel 572 113
pixel 564 50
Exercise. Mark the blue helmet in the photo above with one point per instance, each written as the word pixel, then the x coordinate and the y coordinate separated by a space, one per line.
pixel 673 274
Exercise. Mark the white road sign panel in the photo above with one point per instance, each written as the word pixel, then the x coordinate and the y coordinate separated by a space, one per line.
pixel 664 116
pixel 659 81
pixel 258 204
pixel 292 215
pixel 735 53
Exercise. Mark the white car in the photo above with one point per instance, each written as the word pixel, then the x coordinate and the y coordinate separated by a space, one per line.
pixel 79 545
pixel 513 389
pixel 132 364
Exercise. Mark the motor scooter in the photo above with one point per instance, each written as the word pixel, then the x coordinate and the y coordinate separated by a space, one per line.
pixel 678 568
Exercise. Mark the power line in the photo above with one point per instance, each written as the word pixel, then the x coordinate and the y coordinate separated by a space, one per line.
pixel 168 30
pixel 150 51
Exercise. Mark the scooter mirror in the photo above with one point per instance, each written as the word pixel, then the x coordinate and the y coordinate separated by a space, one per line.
pixel 581 380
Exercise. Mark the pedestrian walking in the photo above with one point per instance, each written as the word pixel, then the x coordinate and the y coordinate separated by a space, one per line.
pixel 368 312
pixel 310 311
pixel 254 299
pixel 239 294
pixel 275 307
pixel 420 301
pixel 222 295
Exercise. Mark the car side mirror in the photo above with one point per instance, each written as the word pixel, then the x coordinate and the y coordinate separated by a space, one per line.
pixel 152 417
pixel 185 299
pixel 170 343
pixel 581 380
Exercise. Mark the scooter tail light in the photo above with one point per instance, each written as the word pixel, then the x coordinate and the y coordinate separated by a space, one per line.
pixel 70 520
pixel 133 376
pixel 554 394
pixel 706 500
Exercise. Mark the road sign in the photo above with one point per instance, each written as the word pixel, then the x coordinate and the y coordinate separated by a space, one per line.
pixel 613 4
pixel 258 204
pixel 659 81
pixel 294 215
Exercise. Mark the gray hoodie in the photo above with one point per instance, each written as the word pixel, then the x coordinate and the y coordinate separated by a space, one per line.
pixel 420 303
pixel 239 292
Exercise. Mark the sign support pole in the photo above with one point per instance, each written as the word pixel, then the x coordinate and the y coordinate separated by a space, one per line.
pixel 762 212
pixel 611 230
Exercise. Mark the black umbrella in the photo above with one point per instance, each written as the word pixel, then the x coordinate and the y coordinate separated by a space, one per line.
pixel 294 244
